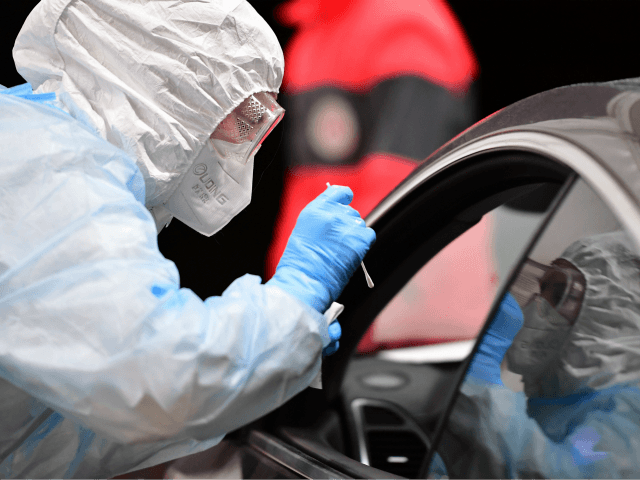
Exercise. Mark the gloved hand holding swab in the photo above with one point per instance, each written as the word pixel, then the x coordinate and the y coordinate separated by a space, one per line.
pixel 324 249
pixel 364 269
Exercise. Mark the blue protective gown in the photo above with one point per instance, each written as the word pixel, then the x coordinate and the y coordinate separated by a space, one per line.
pixel 106 364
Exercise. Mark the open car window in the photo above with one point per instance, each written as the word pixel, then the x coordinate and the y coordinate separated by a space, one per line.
pixel 552 388
pixel 448 300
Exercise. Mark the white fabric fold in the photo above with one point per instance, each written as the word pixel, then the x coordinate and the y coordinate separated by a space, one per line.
pixel 152 77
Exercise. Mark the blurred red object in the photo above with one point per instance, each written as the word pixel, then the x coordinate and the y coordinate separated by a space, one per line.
pixel 355 44
pixel 371 88
pixel 447 300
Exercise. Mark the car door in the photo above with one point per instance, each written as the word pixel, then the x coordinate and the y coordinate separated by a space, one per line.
pixel 563 398
pixel 392 402
pixel 546 159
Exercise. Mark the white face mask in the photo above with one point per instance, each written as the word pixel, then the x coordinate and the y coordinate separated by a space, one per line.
pixel 216 188
pixel 539 341
pixel 218 185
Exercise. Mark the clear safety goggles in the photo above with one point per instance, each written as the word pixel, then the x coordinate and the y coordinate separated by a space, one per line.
pixel 250 123
pixel 562 287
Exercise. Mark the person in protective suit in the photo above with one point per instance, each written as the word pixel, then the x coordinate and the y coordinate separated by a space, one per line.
pixel 576 348
pixel 136 112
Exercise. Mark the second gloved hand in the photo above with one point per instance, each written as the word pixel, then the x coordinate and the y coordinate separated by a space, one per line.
pixel 328 243
pixel 335 332
pixel 504 327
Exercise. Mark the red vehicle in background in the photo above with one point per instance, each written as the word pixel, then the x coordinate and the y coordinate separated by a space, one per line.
pixel 371 88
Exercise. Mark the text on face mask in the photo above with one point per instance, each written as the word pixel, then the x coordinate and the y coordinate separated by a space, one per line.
pixel 200 171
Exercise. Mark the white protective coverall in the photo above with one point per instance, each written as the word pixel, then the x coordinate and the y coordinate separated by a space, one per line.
pixel 106 364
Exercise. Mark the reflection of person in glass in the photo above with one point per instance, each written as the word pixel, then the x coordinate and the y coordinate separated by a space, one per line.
pixel 577 346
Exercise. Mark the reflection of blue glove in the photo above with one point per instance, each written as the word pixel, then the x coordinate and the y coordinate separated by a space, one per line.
pixel 335 332
pixel 326 246
pixel 486 363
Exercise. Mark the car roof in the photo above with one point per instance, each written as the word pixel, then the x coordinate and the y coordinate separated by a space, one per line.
pixel 602 119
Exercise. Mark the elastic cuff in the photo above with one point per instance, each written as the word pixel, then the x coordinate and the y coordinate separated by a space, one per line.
pixel 309 291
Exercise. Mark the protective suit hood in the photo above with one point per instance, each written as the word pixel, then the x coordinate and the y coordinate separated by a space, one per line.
pixel 603 347
pixel 154 78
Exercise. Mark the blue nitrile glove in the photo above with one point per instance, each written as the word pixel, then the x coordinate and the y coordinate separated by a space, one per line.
pixel 504 327
pixel 335 332
pixel 324 250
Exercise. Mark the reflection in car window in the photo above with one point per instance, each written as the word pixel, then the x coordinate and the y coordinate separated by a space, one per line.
pixel 552 390
pixel 450 297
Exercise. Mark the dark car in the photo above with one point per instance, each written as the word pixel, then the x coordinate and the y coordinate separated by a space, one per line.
pixel 550 171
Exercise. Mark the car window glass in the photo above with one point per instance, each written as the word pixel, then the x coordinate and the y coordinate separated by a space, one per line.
pixel 552 390
pixel 449 298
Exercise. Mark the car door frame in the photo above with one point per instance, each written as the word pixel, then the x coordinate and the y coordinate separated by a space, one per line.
pixel 527 155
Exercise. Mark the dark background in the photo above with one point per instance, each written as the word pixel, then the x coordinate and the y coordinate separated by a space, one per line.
pixel 523 47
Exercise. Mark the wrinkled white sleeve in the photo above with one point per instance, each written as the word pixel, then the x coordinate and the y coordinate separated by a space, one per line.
pixel 92 319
